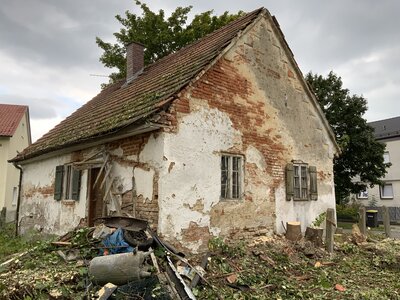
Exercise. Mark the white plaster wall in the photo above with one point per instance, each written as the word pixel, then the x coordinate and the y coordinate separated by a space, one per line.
pixel 195 174
pixel 17 142
pixel 4 145
pixel 42 212
pixel 144 183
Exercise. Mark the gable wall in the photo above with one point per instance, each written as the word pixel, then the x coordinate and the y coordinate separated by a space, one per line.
pixel 250 103
pixel 11 147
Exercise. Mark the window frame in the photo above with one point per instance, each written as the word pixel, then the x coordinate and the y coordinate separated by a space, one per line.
pixel 386 157
pixel 381 190
pixel 309 179
pixel 303 179
pixel 67 183
pixel 229 193
pixel 363 197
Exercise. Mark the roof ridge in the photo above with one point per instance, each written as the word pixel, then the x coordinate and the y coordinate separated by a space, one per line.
pixel 120 105
pixel 196 42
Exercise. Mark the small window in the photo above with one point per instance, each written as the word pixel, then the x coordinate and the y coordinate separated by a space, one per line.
pixel 386 157
pixel 386 191
pixel 301 181
pixel 363 194
pixel 231 176
pixel 300 185
pixel 15 196
pixel 67 183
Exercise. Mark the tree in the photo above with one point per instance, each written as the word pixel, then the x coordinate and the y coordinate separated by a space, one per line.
pixel 360 162
pixel 160 35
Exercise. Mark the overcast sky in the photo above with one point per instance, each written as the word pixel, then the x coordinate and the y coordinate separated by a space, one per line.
pixel 48 49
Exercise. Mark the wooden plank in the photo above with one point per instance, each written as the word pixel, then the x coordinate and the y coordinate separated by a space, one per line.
pixel 386 221
pixel 362 223
pixel 203 264
pixel 134 196
pixel 330 229
pixel 101 170
pixel 105 176
pixel 108 190
pixel 92 156
pixel 89 162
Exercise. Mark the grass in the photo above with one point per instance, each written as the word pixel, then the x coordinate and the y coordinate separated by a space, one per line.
pixel 348 225
pixel 9 244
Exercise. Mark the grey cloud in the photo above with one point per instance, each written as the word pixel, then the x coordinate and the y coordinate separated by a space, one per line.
pixel 38 108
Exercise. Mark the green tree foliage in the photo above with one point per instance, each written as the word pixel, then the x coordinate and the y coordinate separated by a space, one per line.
pixel 361 155
pixel 160 35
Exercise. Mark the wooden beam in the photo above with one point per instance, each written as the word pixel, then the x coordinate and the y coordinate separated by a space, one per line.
pixel 330 229
pixel 362 223
pixel 105 176
pixel 386 221
pixel 101 170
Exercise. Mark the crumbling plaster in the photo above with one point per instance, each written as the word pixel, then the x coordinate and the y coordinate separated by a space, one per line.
pixel 285 126
pixel 38 208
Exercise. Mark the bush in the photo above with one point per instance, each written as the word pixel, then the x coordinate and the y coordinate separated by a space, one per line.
pixel 347 212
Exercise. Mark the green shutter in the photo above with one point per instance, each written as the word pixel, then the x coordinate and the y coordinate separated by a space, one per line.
pixel 289 182
pixel 313 183
pixel 76 184
pixel 58 182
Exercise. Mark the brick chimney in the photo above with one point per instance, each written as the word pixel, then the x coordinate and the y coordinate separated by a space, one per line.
pixel 134 59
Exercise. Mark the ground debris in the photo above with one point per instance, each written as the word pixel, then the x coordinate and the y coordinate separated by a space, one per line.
pixel 267 268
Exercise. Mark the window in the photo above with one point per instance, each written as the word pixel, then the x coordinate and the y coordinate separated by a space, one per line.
pixel 231 176
pixel 301 181
pixel 386 157
pixel 67 183
pixel 363 194
pixel 15 196
pixel 386 191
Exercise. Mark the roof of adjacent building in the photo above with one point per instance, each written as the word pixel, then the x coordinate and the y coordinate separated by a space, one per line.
pixel 131 103
pixel 388 128
pixel 10 117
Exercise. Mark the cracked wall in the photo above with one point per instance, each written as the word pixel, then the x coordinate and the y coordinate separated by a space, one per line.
pixel 252 103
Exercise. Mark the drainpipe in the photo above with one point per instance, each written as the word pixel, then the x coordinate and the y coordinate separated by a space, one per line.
pixel 18 198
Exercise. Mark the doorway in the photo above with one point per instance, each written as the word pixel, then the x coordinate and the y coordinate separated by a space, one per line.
pixel 96 195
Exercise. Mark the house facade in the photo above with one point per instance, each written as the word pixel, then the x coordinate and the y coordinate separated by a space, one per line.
pixel 388 193
pixel 15 136
pixel 222 138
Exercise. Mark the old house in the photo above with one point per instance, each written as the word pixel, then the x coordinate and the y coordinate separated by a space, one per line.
pixel 15 135
pixel 222 138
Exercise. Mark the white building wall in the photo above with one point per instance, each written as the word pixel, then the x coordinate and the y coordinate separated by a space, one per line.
pixel 38 208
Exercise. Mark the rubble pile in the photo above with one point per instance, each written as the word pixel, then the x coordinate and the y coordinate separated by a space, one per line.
pixel 123 259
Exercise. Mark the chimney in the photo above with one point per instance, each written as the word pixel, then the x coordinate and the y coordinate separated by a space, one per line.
pixel 134 59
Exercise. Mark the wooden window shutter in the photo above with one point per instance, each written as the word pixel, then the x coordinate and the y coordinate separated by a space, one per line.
pixel 289 181
pixel 58 188
pixel 76 184
pixel 313 182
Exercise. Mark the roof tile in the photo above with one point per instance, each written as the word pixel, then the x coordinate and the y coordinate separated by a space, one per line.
pixel 122 104
pixel 10 116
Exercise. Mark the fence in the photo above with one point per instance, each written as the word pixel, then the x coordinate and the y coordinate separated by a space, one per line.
pixel 394 213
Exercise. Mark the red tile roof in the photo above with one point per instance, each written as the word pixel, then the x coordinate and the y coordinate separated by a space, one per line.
pixel 120 105
pixel 10 117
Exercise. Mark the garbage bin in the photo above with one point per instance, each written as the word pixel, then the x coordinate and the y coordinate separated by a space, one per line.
pixel 372 218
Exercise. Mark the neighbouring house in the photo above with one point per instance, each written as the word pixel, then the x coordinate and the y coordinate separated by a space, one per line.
pixel 388 193
pixel 222 138
pixel 15 136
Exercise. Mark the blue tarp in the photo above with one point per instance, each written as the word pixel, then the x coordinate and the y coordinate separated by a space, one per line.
pixel 116 243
